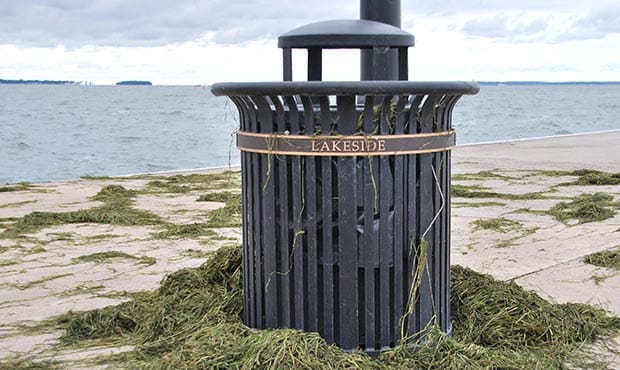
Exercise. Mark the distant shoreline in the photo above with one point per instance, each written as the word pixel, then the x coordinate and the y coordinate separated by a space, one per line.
pixel 38 82
pixel 530 83
pixel 148 83
pixel 67 82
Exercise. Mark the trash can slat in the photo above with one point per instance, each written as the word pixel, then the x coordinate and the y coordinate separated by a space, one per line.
pixel 257 250
pixel 328 206
pixel 347 225
pixel 399 225
pixel 313 246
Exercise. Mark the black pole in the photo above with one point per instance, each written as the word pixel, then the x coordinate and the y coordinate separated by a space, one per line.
pixel 384 11
pixel 380 64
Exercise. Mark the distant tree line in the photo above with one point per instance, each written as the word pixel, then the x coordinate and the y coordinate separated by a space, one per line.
pixel 139 83
pixel 36 82
pixel 516 83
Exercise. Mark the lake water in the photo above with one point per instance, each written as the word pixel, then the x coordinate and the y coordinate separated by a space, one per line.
pixel 63 132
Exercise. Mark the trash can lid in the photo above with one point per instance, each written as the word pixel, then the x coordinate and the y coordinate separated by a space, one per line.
pixel 346 33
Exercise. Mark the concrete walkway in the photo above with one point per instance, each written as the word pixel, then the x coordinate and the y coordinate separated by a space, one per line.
pixel 599 151
pixel 538 252
pixel 550 259
pixel 42 274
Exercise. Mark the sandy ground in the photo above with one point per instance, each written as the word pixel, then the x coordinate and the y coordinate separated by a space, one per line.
pixel 39 277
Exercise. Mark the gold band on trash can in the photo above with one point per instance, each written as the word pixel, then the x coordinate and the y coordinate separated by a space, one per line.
pixel 343 145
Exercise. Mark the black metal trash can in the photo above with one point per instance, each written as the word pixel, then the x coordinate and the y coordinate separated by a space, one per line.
pixel 346 217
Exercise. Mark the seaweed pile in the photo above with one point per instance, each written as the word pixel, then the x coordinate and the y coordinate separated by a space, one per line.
pixel 193 321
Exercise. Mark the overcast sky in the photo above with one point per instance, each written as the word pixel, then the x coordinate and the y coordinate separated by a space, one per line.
pixel 204 41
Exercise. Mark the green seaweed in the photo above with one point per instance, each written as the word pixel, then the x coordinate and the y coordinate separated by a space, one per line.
pixel 62 236
pixel 482 175
pixel 29 364
pixel 107 214
pixel 506 243
pixel 503 225
pixel 115 194
pixel 82 289
pixel 500 225
pixel 96 324
pixel 116 210
pixel 180 231
pixel 536 212
pixel 22 186
pixel 206 179
pixel 477 204
pixel 584 176
pixel 548 173
pixel 98 237
pixel 193 182
pixel 502 314
pixel 17 204
pixel 477 191
pixel 35 250
pixel 586 208
pixel 596 178
pixel 193 321
pixel 195 253
pixel 94 177
pixel 609 259
pixel 111 256
pixel 10 262
pixel 168 187
pixel 227 216
pixel 30 284
pixel 221 196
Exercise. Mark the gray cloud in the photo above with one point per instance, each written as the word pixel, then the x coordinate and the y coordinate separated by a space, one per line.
pixel 518 28
pixel 494 27
pixel 505 27
pixel 479 6
pixel 596 24
pixel 74 23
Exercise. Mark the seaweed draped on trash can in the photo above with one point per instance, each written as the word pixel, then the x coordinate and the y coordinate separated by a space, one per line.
pixel 346 217
pixel 346 189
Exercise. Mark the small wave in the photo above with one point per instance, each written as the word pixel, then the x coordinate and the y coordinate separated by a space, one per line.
pixel 129 139
pixel 172 113
pixel 21 145
pixel 157 167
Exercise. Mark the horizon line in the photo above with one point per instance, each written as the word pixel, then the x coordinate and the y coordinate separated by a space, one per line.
pixel 481 82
